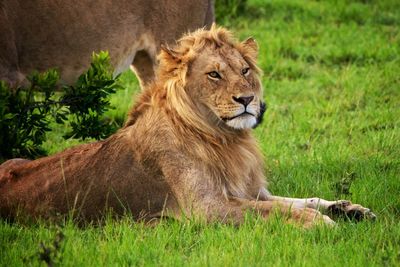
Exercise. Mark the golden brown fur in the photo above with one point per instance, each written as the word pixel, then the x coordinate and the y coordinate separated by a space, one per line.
pixel 184 151
pixel 43 34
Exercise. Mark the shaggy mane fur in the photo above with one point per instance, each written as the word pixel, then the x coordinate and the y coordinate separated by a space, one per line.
pixel 229 155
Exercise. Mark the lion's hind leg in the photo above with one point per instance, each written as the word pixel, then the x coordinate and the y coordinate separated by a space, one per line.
pixel 6 169
pixel 143 65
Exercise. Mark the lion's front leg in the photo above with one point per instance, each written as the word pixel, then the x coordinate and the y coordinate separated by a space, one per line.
pixel 338 207
pixel 234 211
pixel 305 217
pixel 197 196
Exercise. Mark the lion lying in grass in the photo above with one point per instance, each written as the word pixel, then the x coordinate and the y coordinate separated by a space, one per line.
pixel 186 150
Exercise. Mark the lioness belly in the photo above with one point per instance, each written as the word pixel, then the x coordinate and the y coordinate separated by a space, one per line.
pixel 43 34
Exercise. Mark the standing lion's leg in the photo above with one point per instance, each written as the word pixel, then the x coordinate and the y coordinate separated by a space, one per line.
pixel 338 207
pixel 143 66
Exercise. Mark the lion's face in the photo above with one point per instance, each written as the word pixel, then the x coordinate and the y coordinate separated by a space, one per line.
pixel 226 87
pixel 218 75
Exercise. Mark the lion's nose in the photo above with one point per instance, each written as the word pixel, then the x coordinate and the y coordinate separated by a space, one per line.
pixel 244 100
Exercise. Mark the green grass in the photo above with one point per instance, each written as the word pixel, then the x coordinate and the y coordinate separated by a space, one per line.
pixel 332 82
pixel 255 243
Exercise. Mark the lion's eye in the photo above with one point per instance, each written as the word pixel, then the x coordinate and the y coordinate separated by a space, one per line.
pixel 245 71
pixel 214 75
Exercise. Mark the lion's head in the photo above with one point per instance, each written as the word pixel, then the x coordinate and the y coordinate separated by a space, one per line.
pixel 214 76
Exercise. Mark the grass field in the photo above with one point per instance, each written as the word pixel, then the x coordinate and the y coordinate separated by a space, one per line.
pixel 332 83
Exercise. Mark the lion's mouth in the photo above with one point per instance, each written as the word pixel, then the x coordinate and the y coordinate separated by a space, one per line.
pixel 245 113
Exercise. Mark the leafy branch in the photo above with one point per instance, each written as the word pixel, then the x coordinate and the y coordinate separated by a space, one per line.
pixel 26 113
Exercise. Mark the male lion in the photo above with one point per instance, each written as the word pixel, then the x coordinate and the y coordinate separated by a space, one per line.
pixel 43 34
pixel 186 149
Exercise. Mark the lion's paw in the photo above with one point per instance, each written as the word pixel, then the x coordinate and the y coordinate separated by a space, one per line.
pixel 353 211
pixel 309 218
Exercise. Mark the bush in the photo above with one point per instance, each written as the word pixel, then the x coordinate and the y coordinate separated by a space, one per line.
pixel 25 113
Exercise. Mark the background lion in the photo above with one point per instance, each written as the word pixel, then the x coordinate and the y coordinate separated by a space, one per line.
pixel 186 150
pixel 43 34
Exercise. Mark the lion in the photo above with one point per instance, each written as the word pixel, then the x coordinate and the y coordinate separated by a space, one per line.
pixel 43 34
pixel 186 150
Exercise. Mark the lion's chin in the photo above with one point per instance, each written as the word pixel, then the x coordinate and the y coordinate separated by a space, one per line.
pixel 245 121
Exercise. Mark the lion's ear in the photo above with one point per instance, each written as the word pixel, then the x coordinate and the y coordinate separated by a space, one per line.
pixel 169 55
pixel 250 47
